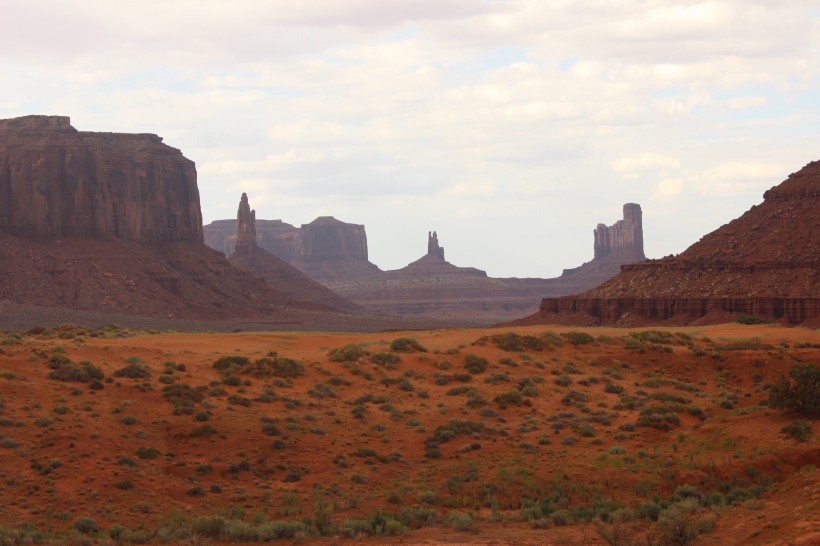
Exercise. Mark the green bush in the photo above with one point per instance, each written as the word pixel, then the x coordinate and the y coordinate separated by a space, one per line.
pixel 800 394
pixel 348 353
pixel 475 364
pixel 578 338
pixel 134 371
pixel 799 430
pixel 388 360
pixel 751 319
pixel 406 345
pixel 85 525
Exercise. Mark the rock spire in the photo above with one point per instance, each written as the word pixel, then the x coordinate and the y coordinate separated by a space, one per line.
pixel 433 248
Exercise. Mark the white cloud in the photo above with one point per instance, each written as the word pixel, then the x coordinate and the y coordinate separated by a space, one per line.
pixel 498 121
pixel 748 101
pixel 643 163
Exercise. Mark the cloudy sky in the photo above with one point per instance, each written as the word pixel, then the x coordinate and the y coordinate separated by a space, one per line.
pixel 512 127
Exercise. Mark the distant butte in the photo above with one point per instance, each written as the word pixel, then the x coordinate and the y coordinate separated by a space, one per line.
pixel 111 223
pixel 326 249
pixel 765 264
pixel 289 281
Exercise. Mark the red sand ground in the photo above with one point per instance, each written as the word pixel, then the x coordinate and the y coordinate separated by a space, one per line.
pixel 80 436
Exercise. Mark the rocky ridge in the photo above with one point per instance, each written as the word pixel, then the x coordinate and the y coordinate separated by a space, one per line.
pixel 111 223
pixel 765 263
pixel 326 249
pixel 57 182
pixel 294 285
pixel 432 286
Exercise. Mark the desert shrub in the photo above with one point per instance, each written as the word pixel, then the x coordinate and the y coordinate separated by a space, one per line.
pixel 230 362
pixel 283 367
pixel 134 371
pixel 81 373
pixel 517 343
pixel 385 359
pixel 800 394
pixel 799 430
pixel 208 527
pixel 461 521
pixel 751 319
pixel 232 380
pixel 681 523
pixel 85 525
pixel 406 345
pixel 348 353
pixel 446 432
pixel 147 452
pixel 578 338
pixel 511 397
pixel 612 388
pixel 475 364
pixel 202 431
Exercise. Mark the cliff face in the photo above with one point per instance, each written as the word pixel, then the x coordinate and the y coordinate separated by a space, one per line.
pixel 624 237
pixel 111 223
pixel 765 263
pixel 58 182
pixel 291 283
pixel 326 249
pixel 326 238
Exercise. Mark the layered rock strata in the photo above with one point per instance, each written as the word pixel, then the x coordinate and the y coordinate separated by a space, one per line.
pixel 326 249
pixel 765 263
pixel 57 182
pixel 432 286
pixel 111 223
pixel 294 285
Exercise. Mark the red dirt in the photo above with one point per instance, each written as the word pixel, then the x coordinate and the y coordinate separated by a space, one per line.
pixel 85 431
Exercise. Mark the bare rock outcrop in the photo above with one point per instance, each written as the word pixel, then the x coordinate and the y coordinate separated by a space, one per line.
pixel 765 263
pixel 433 248
pixel 111 223
pixel 57 182
pixel 624 237
pixel 277 273
pixel 326 249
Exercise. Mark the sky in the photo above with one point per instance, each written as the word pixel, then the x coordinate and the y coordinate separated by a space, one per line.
pixel 511 127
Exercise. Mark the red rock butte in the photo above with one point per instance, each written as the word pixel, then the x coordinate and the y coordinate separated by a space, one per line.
pixel 111 223
pixel 764 264
pixel 56 181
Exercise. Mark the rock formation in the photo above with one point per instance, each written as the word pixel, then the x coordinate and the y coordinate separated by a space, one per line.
pixel 108 222
pixel 335 254
pixel 765 263
pixel 615 245
pixel 277 273
pixel 245 227
pixel 624 237
pixel 433 248
pixel 326 249
pixel 432 286
pixel 57 182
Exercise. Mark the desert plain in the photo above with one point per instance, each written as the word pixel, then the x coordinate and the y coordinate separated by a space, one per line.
pixel 543 434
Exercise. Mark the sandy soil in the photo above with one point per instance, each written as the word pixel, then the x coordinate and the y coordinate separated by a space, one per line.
pixel 356 435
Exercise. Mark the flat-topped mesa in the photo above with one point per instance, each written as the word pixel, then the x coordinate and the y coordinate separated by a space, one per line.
pixel 58 182
pixel 245 226
pixel 433 248
pixel 327 238
pixel 623 237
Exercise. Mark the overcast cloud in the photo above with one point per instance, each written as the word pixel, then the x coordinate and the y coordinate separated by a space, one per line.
pixel 512 127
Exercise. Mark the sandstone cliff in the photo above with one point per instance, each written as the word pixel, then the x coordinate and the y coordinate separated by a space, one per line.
pixel 108 222
pixel 432 286
pixel 57 182
pixel 277 273
pixel 326 249
pixel 765 263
